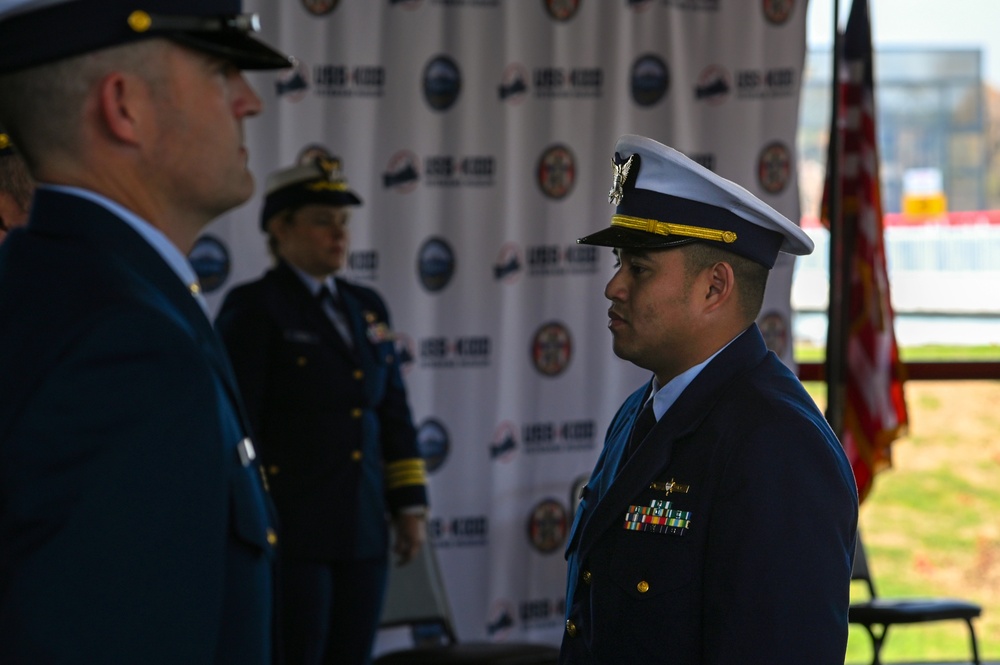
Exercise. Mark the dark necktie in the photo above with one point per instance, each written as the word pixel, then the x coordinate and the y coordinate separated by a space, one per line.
pixel 643 423
pixel 333 307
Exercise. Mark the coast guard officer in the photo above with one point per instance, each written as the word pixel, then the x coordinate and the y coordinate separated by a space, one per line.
pixel 316 361
pixel 134 523
pixel 718 526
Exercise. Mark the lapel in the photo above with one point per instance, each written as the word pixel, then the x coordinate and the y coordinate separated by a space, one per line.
pixel 59 214
pixel 655 451
pixel 359 324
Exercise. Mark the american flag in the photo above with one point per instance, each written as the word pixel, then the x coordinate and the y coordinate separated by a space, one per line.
pixel 874 410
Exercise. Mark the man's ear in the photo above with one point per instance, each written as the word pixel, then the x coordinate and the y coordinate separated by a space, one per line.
pixel 122 104
pixel 721 285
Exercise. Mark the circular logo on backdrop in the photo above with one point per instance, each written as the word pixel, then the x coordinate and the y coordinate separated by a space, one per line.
pixel 320 7
pixel 561 10
pixel 210 260
pixel 650 79
pixel 556 171
pixel 435 264
pixel 551 349
pixel 778 11
pixel 547 526
pixel 774 328
pixel 442 83
pixel 433 443
pixel 774 167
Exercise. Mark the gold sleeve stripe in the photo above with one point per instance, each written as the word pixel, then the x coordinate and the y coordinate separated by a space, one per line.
pixel 669 229
pixel 405 473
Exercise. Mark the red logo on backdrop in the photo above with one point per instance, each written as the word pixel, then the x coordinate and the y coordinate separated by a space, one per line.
pixel 556 171
pixel 774 167
pixel 778 11
pixel 551 349
pixel 547 526
pixel 320 7
pixel 561 10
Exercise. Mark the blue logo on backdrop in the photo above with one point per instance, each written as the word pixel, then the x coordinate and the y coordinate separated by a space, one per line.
pixel 435 264
pixel 650 79
pixel 442 83
pixel 433 443
pixel 210 260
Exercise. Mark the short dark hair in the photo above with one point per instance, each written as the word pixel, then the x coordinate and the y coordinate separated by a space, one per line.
pixel 751 277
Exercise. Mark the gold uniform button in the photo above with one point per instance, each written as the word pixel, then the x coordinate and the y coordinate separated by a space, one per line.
pixel 301 361
pixel 356 413
pixel 272 537
pixel 274 469
pixel 570 628
pixel 587 577
pixel 642 586
pixel 356 455
pixel 359 374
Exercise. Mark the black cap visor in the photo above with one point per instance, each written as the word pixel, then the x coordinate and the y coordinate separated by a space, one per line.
pixel 240 48
pixel 632 239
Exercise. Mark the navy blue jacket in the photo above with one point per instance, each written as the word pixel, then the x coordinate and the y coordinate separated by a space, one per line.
pixel 753 562
pixel 335 430
pixel 131 529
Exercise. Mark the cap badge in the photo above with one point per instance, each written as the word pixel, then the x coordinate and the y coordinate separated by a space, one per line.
pixel 621 169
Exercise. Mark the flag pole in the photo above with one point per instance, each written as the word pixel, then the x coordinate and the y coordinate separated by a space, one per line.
pixel 838 275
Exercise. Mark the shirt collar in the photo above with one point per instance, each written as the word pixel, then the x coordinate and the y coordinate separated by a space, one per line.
pixel 665 396
pixel 152 235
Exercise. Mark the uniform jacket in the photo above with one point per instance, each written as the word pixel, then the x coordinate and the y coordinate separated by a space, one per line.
pixel 754 562
pixel 132 530
pixel 335 429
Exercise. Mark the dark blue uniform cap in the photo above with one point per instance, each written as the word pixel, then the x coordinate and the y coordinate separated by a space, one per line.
pixel 35 32
pixel 320 181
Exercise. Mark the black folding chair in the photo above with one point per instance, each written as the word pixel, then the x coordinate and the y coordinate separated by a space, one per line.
pixel 416 598
pixel 883 612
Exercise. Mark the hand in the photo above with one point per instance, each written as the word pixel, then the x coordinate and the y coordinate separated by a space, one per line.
pixel 411 532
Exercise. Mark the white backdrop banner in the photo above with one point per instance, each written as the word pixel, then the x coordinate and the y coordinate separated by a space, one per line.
pixel 479 135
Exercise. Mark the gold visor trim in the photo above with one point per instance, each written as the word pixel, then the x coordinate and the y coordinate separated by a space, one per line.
pixel 325 185
pixel 669 229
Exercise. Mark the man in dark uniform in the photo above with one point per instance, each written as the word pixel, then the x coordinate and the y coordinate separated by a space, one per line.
pixel 134 522
pixel 316 362
pixel 719 523
pixel 15 188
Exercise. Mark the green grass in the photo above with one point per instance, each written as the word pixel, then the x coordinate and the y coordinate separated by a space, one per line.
pixel 805 353
pixel 932 523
